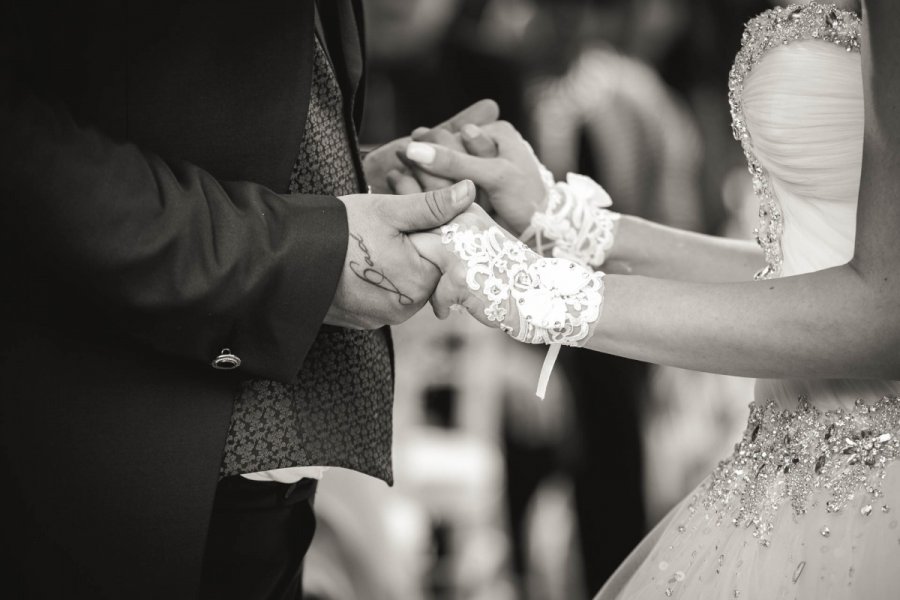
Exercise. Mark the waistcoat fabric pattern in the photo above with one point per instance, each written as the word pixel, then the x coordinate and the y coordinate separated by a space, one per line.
pixel 339 413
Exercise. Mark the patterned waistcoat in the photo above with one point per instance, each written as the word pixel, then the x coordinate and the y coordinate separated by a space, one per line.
pixel 339 412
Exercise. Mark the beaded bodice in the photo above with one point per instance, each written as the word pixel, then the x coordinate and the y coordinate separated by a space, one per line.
pixel 795 92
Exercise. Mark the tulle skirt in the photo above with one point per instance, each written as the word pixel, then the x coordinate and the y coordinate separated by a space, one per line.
pixel 807 506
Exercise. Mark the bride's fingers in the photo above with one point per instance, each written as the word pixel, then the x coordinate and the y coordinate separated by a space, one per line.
pixel 403 183
pixel 442 137
pixel 444 298
pixel 477 143
pixel 451 290
pixel 451 293
pixel 481 112
pixel 426 180
pixel 502 132
pixel 452 164
pixel 430 247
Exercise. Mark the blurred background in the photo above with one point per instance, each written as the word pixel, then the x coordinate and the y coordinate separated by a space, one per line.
pixel 499 495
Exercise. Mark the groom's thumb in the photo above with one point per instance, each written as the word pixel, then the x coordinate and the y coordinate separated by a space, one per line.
pixel 427 210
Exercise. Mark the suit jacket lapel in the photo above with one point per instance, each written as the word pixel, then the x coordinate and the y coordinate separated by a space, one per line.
pixel 342 21
pixel 360 91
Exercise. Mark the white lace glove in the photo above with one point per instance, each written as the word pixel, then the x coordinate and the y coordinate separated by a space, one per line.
pixel 576 222
pixel 535 300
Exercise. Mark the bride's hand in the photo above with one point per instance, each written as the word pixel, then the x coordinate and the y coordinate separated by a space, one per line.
pixel 504 284
pixel 389 157
pixel 511 179
pixel 475 292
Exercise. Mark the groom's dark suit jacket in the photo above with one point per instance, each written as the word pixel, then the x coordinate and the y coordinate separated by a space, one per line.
pixel 145 152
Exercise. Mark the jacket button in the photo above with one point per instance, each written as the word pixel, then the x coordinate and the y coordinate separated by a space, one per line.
pixel 226 360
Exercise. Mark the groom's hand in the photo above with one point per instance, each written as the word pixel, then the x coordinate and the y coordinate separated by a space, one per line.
pixel 385 281
pixel 386 158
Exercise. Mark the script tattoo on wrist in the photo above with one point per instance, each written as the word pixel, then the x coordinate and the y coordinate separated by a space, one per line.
pixel 368 272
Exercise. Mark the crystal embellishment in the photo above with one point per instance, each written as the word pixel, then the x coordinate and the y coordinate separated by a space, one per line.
pixel 788 455
pixel 777 27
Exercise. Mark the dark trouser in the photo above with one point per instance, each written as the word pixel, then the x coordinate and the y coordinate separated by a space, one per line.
pixel 258 536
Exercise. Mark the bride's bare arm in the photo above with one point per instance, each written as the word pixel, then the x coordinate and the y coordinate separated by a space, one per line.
pixel 829 324
pixel 646 248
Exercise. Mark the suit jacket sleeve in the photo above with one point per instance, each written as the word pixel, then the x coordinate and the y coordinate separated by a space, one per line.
pixel 163 252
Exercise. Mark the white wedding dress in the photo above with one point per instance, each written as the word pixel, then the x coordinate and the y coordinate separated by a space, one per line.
pixel 808 505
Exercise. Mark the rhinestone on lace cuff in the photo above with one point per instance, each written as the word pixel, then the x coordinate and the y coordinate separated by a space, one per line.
pixel 776 27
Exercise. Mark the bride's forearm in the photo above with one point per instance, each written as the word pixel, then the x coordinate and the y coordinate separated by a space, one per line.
pixel 653 250
pixel 830 324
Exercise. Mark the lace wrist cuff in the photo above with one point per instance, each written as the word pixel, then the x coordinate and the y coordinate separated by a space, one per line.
pixel 535 300
pixel 576 222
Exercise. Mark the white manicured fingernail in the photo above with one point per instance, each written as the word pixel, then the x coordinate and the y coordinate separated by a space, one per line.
pixel 420 153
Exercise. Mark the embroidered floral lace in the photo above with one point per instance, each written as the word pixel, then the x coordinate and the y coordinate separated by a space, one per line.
pixel 576 222
pixel 535 300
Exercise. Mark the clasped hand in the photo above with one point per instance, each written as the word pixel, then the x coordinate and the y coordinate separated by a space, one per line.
pixel 395 258
pixel 384 279
pixel 477 288
pixel 507 174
